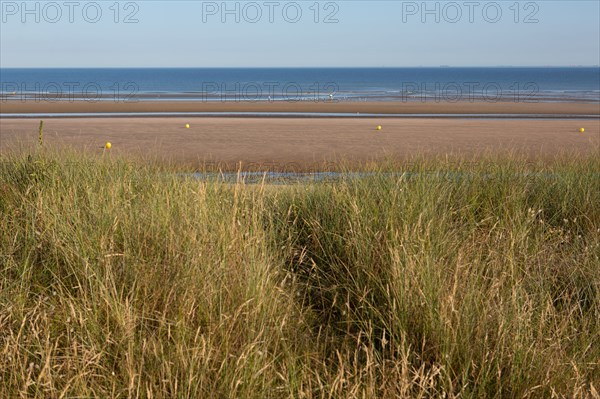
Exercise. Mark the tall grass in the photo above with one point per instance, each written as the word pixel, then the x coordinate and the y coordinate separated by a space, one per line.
pixel 456 280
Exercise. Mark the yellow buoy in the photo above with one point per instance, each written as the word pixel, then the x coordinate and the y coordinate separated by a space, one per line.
pixel 378 127
pixel 107 145
pixel 581 130
pixel 187 125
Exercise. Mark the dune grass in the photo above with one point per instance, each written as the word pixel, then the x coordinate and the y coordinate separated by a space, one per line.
pixel 460 279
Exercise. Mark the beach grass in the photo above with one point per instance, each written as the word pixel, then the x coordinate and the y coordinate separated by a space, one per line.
pixel 458 279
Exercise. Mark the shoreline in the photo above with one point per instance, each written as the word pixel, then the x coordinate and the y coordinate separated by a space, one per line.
pixel 373 108
pixel 200 98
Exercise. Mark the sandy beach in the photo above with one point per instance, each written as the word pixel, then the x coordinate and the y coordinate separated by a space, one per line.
pixel 303 143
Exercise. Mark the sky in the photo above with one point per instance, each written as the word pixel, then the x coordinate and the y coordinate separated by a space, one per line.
pixel 347 33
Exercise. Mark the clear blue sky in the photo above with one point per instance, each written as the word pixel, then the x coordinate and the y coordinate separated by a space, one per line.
pixel 368 33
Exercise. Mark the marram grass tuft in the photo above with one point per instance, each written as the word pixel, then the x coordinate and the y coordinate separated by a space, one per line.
pixel 457 279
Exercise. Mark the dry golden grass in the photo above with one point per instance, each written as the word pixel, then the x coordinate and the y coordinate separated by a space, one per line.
pixel 457 280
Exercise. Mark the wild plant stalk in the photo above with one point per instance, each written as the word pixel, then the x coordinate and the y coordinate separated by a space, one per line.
pixel 41 134
pixel 458 280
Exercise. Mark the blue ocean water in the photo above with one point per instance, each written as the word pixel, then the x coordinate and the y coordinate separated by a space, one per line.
pixel 305 84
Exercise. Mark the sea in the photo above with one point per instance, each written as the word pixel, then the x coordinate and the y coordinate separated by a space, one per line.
pixel 426 84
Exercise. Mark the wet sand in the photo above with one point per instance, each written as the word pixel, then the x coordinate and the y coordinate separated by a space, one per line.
pixel 414 107
pixel 300 143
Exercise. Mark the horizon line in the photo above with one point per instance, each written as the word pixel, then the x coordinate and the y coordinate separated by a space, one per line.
pixel 300 67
